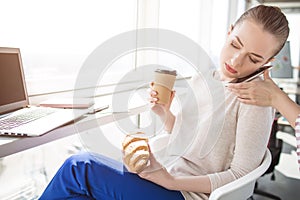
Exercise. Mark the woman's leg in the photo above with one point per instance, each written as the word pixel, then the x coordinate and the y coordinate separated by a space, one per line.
pixel 93 176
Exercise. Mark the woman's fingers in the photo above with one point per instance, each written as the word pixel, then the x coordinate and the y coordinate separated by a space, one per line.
pixel 151 92
pixel 151 84
pixel 241 86
pixel 242 89
pixel 153 100
pixel 266 74
pixel 152 96
pixel 172 95
pixel 247 101
pixel 153 160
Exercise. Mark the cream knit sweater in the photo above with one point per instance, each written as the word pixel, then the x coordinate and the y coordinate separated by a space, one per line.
pixel 238 148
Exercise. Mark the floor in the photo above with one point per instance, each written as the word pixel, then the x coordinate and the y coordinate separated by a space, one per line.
pixel 283 187
pixel 23 177
pixel 287 175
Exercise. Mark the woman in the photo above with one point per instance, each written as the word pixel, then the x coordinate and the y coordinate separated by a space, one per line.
pixel 252 41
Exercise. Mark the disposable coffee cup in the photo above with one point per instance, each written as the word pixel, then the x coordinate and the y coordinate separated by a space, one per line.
pixel 163 83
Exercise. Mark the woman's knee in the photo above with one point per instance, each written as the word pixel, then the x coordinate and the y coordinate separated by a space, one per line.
pixel 82 157
pixel 93 161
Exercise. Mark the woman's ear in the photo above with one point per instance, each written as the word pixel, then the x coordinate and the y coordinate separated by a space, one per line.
pixel 230 29
pixel 271 60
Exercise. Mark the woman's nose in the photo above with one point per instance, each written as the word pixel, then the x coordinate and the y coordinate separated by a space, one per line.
pixel 236 60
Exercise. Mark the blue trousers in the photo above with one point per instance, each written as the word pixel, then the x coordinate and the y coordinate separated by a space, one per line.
pixel 93 176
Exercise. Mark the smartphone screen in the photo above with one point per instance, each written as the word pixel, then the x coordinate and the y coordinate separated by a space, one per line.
pixel 251 76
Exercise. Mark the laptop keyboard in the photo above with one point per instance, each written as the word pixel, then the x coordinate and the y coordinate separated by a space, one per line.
pixel 23 118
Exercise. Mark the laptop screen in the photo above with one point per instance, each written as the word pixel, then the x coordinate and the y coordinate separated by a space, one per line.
pixel 12 84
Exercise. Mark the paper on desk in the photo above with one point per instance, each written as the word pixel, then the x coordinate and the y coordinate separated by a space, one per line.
pixel 79 103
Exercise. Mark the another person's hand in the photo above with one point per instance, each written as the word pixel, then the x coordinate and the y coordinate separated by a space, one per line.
pixel 261 93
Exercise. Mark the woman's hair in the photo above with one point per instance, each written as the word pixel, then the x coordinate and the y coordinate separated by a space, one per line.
pixel 272 20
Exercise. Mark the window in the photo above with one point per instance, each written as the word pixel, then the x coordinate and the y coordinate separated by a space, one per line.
pixel 205 22
pixel 56 36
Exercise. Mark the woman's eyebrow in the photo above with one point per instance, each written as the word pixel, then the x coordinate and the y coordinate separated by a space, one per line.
pixel 239 40
pixel 255 54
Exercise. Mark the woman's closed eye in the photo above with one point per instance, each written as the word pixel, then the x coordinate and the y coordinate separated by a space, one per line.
pixel 234 45
pixel 253 60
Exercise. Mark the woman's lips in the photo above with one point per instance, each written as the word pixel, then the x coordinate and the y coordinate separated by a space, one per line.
pixel 231 70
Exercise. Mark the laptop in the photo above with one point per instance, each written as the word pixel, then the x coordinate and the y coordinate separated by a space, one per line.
pixel 17 117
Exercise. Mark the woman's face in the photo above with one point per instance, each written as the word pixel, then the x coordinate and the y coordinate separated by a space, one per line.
pixel 246 49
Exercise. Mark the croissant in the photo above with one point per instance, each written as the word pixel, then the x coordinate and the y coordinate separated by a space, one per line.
pixel 136 153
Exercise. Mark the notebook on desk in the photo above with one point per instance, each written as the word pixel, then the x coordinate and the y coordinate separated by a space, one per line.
pixel 18 118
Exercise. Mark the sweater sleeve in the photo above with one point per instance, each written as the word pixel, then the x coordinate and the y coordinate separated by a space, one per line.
pixel 297 132
pixel 252 134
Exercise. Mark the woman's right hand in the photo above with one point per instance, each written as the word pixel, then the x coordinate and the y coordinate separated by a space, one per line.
pixel 162 110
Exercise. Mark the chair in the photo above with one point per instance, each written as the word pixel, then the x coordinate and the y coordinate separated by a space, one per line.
pixel 241 188
pixel 275 147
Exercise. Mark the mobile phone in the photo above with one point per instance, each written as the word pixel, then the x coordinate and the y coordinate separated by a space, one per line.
pixel 251 76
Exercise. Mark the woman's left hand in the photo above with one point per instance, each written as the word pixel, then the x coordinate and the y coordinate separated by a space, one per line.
pixel 158 174
pixel 260 93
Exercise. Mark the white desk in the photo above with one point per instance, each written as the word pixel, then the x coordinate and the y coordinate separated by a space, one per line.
pixel 12 145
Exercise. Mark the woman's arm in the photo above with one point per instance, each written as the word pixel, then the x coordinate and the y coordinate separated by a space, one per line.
pixel 252 135
pixel 156 173
pixel 288 108
pixel 192 184
pixel 169 122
